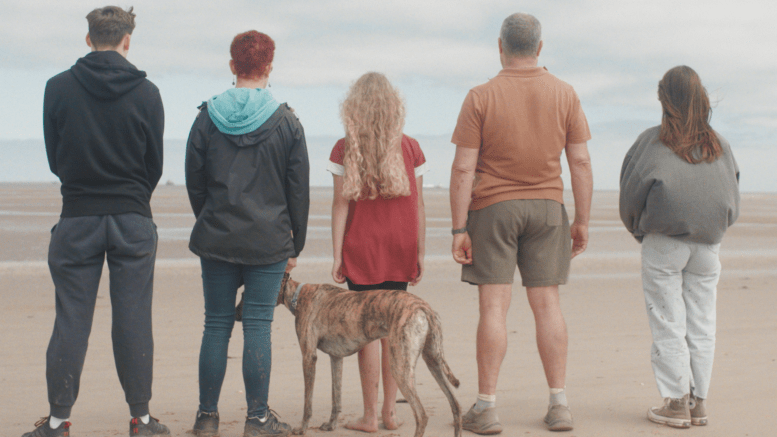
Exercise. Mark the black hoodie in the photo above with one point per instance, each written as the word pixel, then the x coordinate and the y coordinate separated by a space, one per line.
pixel 103 123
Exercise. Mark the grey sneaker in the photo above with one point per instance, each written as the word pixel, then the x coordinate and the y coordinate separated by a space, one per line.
pixel 559 418
pixel 42 429
pixel 206 424
pixel 674 413
pixel 256 427
pixel 698 411
pixel 152 428
pixel 485 423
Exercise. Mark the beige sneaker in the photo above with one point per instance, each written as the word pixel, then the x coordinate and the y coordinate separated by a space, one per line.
pixel 559 418
pixel 698 411
pixel 485 423
pixel 675 413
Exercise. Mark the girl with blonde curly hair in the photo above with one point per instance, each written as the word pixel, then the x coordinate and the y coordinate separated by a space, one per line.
pixel 378 218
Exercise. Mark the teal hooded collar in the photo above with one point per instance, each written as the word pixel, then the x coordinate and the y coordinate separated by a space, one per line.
pixel 239 111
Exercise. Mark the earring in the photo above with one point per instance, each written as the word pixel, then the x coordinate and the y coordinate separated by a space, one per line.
pixel 233 80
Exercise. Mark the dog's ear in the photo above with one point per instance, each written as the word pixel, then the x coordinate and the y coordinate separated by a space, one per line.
pixel 282 291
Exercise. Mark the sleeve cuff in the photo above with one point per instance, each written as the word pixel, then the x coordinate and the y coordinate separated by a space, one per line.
pixel 335 169
pixel 421 169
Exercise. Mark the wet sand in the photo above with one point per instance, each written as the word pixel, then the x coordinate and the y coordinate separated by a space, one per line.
pixel 610 383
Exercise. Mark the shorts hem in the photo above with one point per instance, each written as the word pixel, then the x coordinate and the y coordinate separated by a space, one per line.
pixel 548 283
pixel 501 281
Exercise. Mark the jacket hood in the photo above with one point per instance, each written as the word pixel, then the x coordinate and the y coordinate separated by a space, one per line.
pixel 239 111
pixel 107 74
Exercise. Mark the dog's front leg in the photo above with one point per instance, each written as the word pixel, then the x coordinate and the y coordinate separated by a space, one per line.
pixel 337 381
pixel 309 374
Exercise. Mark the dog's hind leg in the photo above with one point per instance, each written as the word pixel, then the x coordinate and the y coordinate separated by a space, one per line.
pixel 405 345
pixel 337 383
pixel 309 374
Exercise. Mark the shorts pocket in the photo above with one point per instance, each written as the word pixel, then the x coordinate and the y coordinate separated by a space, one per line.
pixel 553 213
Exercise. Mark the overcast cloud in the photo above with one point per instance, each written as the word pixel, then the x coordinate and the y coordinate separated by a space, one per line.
pixel 612 52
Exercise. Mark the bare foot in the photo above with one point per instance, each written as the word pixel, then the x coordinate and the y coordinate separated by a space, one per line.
pixel 391 421
pixel 364 424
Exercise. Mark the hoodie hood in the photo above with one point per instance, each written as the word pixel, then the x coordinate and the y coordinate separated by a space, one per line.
pixel 107 74
pixel 239 111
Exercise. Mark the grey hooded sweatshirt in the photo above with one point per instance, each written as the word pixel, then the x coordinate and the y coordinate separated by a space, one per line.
pixel 662 193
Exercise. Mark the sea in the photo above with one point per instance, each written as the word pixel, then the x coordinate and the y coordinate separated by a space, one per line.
pixel 25 161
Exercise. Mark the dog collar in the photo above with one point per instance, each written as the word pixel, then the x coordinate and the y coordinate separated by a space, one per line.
pixel 293 304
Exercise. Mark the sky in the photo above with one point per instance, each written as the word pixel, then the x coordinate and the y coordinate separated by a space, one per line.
pixel 612 52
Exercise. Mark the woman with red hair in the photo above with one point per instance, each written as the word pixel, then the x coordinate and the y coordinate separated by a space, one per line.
pixel 247 176
pixel 679 194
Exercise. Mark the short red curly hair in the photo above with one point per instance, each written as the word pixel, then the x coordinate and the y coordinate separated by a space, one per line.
pixel 252 52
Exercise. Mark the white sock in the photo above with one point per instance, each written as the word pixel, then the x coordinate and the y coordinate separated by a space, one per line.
pixel 145 419
pixel 485 401
pixel 558 396
pixel 54 422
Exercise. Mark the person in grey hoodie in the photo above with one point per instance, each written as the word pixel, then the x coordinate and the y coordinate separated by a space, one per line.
pixel 247 175
pixel 679 193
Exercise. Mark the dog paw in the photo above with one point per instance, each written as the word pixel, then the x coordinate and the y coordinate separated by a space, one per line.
pixel 298 431
pixel 327 426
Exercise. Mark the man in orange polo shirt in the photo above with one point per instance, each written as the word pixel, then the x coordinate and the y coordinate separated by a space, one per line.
pixel 507 209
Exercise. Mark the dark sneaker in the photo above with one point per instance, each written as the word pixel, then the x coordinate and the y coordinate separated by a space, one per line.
pixel 559 418
pixel 42 429
pixel 698 411
pixel 674 413
pixel 485 422
pixel 256 427
pixel 206 424
pixel 153 427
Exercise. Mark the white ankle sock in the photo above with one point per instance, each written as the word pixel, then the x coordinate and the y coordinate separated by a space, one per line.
pixel 54 422
pixel 145 419
pixel 485 401
pixel 558 396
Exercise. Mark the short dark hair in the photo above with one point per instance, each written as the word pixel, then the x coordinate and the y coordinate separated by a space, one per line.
pixel 252 52
pixel 108 25
pixel 521 35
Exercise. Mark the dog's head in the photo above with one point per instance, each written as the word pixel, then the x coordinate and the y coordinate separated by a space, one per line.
pixel 288 286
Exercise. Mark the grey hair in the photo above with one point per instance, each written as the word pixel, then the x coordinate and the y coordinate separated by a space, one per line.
pixel 521 35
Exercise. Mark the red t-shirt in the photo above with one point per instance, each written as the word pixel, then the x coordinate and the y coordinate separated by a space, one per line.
pixel 381 235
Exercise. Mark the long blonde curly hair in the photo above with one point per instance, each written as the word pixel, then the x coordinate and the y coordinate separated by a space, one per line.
pixel 373 115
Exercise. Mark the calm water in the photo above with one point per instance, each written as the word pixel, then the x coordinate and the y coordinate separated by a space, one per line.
pixel 25 160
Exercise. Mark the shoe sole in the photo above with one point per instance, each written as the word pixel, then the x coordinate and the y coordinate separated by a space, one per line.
pixel 560 427
pixel 492 429
pixel 668 421
pixel 699 421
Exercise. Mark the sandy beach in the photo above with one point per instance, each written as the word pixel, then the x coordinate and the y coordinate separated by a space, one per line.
pixel 610 382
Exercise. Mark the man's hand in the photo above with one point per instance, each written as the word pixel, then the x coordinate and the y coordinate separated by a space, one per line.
pixel 291 264
pixel 579 238
pixel 462 248
pixel 337 271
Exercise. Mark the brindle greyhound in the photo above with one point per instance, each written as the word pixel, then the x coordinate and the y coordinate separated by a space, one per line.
pixel 341 322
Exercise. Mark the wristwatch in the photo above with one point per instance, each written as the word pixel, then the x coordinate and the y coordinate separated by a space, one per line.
pixel 459 231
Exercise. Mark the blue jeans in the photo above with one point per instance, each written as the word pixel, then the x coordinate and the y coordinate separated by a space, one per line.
pixel 220 281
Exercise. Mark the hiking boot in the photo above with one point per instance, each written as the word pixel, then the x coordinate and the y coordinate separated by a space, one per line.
pixel 485 422
pixel 270 425
pixel 152 428
pixel 698 411
pixel 559 418
pixel 206 424
pixel 674 413
pixel 42 429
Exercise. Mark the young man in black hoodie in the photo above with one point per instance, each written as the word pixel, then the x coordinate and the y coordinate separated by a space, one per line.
pixel 103 123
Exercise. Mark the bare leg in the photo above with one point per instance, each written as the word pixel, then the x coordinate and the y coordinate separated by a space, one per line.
pixel 389 411
pixel 492 334
pixel 551 333
pixel 369 370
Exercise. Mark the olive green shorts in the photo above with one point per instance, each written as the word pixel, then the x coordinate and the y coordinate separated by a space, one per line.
pixel 532 233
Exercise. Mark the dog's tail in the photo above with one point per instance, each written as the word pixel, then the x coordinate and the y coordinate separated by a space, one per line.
pixel 434 345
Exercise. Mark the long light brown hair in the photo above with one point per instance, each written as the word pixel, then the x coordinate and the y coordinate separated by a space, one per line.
pixel 685 125
pixel 373 115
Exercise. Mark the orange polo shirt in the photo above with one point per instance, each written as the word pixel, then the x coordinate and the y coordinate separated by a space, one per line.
pixel 521 120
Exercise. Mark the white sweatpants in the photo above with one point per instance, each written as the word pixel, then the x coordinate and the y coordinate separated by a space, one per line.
pixel 680 283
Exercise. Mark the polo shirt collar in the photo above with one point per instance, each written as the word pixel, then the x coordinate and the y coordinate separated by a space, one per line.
pixel 523 72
